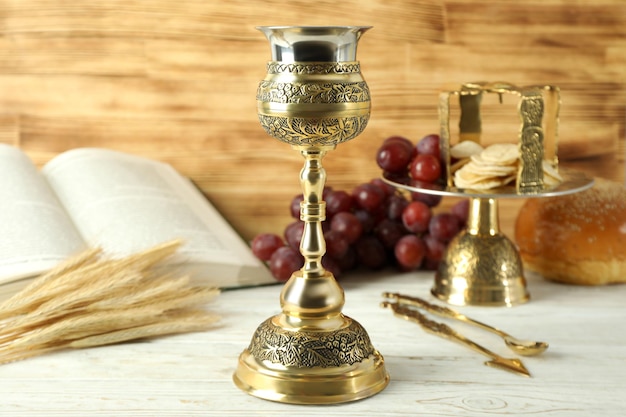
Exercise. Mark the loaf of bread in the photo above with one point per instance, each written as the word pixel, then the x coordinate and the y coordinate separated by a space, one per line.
pixel 578 238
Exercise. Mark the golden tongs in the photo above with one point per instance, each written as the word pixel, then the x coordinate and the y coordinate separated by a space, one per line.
pixel 521 347
pixel 440 329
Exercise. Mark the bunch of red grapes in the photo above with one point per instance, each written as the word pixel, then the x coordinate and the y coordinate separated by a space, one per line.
pixel 376 225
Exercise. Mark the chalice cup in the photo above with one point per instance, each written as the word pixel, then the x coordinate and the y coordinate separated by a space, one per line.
pixel 313 98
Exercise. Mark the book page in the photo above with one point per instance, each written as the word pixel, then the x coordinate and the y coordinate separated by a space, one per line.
pixel 35 232
pixel 125 204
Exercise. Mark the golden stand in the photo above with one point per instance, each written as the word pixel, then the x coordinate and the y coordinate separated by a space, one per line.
pixel 313 98
pixel 482 266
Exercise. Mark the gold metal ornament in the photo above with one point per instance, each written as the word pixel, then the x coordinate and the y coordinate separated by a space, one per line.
pixel 312 98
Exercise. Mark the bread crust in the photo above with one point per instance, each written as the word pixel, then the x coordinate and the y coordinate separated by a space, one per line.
pixel 578 238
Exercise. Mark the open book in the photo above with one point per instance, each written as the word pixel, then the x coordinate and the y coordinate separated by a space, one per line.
pixel 121 203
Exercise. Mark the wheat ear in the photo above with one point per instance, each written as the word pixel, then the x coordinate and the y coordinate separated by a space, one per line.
pixel 90 301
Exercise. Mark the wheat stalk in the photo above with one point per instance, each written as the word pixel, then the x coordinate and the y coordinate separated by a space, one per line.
pixel 24 299
pixel 84 268
pixel 90 301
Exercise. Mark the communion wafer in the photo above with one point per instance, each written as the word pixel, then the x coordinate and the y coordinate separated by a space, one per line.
pixel 483 184
pixel 465 149
pixel 550 175
pixel 549 181
pixel 501 153
pixel 469 174
pixel 550 172
pixel 495 166
pixel 474 172
pixel 469 177
pixel 479 165
pixel 458 165
pixel 480 177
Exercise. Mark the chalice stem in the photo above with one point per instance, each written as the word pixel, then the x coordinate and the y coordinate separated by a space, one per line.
pixel 313 212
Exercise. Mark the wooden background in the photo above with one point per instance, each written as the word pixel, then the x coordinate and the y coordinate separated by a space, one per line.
pixel 176 81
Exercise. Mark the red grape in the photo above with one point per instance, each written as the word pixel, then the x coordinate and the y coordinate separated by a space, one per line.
pixel 368 196
pixel 284 262
pixel 395 206
pixel 444 226
pixel 293 234
pixel 332 266
pixel 387 189
pixel 434 249
pixel 348 225
pixel 461 210
pixel 348 261
pixel 410 251
pixel 368 220
pixel 338 201
pixel 416 217
pixel 431 200
pixel 389 232
pixel 326 226
pixel 370 252
pixel 404 141
pixel 393 156
pixel 399 178
pixel 295 206
pixel 429 145
pixel 265 244
pixel 425 167
pixel 336 244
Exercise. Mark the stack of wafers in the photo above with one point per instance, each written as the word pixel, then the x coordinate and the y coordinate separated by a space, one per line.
pixel 497 165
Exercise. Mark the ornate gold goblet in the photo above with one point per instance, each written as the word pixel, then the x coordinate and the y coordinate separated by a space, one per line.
pixel 313 98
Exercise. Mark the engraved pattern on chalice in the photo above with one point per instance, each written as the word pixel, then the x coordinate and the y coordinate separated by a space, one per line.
pixel 311 349
pixel 313 98
pixel 314 104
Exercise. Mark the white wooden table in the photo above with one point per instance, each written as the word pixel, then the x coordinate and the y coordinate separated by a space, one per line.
pixel 582 374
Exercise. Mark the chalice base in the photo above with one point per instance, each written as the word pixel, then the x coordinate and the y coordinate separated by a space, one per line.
pixel 481 270
pixel 310 366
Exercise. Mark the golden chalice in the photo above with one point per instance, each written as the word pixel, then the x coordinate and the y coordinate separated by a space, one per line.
pixel 313 98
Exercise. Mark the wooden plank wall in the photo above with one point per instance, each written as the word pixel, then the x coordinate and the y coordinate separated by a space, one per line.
pixel 176 81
